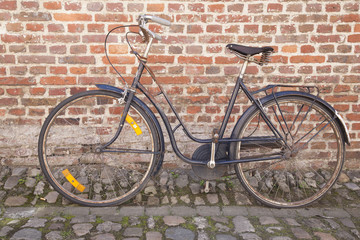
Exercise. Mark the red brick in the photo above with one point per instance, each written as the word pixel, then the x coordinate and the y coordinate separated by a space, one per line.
pixel 54 80
pixel 307 49
pixel 135 7
pixel 352 7
pixel 196 7
pixel 232 18
pixel 342 98
pixel 36 112
pixel 343 28
pixel 95 6
pixel 194 70
pixel 61 38
pixel 255 8
pixel 195 60
pixel 8 102
pixel 37 49
pixel 7 59
pixel 194 90
pixel 96 28
pixel 341 88
pixel 174 80
pixel 251 29
pixel 307 59
pixel 77 49
pixel 78 70
pixel 77 60
pixel 52 5
pixel 15 91
pixel 58 70
pixel 33 5
pixel 275 7
pixel 20 38
pixel 323 28
pixel 35 27
pixel 18 70
pixel 194 29
pixel 38 70
pixel 345 18
pixel 8 5
pixel 313 7
pixel 72 6
pixel 114 7
pixel 37 91
pixel 160 59
pixel 56 28
pixel 193 109
pixel 113 18
pixel 354 38
pixel 217 8
pixel 333 7
pixel 36 59
pixel 194 49
pixel 57 91
pixel 72 17
pixel 120 60
pixel 17 111
pixel 294 7
pixel 155 7
pixel 14 27
pixel 176 7
pixel 214 28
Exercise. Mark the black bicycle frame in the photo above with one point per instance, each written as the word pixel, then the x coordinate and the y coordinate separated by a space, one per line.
pixel 239 85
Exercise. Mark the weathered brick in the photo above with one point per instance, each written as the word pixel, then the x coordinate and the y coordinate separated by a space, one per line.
pixel 8 5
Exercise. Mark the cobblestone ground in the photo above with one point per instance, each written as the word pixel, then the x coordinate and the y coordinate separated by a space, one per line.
pixel 174 206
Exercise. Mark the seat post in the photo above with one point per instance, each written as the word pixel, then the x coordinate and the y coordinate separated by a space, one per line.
pixel 243 69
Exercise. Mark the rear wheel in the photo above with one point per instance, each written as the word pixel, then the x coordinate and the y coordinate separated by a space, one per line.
pixel 71 150
pixel 312 157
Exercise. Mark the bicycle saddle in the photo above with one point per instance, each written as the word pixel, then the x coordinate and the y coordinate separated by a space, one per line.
pixel 248 50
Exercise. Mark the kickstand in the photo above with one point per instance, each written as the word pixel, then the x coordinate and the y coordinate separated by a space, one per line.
pixel 207 188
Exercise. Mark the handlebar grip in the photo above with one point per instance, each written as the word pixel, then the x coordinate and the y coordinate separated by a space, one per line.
pixel 160 20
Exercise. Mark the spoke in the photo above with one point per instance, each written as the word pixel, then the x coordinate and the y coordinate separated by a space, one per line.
pixel 293 124
pixel 286 125
pixel 310 108
pixel 302 146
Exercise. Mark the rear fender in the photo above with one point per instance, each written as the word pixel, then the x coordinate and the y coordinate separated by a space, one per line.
pixel 159 157
pixel 326 105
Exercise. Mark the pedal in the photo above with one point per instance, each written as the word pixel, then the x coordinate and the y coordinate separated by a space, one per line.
pixel 207 187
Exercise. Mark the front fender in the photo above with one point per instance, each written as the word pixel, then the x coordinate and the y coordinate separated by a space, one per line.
pixel 160 157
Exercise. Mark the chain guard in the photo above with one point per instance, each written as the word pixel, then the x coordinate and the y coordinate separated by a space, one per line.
pixel 203 153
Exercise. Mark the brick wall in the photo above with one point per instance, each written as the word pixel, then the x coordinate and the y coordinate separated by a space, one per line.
pixel 52 49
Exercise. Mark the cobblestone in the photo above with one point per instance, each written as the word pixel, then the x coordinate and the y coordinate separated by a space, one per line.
pixel 203 217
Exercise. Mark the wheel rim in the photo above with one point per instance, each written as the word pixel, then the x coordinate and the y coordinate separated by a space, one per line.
pixel 71 151
pixel 304 175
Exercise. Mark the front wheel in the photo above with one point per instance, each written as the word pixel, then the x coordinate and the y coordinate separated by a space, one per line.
pixel 312 157
pixel 74 161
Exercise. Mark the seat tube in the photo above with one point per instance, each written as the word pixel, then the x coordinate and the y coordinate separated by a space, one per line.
pixel 243 69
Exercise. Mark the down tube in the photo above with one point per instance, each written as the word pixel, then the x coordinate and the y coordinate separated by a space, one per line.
pixel 168 128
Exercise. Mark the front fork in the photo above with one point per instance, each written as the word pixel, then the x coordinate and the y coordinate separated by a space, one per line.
pixel 129 94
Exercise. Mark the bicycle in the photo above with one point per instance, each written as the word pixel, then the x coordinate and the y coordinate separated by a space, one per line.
pixel 100 147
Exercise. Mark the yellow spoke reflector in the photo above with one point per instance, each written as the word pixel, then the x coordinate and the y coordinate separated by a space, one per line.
pixel 133 124
pixel 73 181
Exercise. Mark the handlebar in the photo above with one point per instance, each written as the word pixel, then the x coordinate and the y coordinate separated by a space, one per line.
pixel 144 18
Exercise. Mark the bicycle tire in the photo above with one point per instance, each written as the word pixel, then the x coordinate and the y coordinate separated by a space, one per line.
pixel 303 176
pixel 69 142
